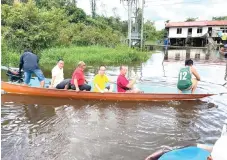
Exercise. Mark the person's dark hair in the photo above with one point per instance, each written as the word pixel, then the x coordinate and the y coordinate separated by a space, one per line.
pixel 188 62
pixel 27 50
pixel 60 59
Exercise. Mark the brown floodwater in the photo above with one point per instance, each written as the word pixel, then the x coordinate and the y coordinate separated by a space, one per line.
pixel 64 129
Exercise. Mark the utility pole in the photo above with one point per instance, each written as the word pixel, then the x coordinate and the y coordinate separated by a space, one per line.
pixel 74 2
pixel 130 23
pixel 142 21
pixel 93 8
pixel 132 8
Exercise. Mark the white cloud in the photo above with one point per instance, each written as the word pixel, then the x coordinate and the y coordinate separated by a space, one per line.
pixel 162 10
pixel 160 24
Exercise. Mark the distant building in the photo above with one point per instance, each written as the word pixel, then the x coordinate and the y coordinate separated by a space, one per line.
pixel 196 33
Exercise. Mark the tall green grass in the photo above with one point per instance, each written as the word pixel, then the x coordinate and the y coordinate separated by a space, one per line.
pixel 93 55
pixel 9 57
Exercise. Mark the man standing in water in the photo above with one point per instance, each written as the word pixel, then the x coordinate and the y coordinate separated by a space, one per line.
pixel 185 80
pixel 29 62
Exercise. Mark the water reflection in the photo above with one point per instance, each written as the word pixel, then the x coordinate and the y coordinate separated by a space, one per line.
pixel 36 113
pixel 195 54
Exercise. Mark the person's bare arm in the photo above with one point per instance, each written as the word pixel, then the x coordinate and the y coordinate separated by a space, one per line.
pixel 52 81
pixel 131 83
pixel 76 85
pixel 221 50
pixel 195 73
pixel 110 81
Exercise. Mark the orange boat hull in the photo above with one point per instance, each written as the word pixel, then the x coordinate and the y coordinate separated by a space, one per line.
pixel 10 88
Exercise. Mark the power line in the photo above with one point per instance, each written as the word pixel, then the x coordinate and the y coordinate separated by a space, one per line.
pixel 142 21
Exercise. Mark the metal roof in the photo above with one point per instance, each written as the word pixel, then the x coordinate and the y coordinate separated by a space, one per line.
pixel 196 23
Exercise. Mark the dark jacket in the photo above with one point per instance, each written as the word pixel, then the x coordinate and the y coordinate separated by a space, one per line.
pixel 29 62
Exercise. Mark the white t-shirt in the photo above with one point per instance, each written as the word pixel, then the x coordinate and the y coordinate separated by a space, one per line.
pixel 59 75
pixel 220 146
pixel 220 149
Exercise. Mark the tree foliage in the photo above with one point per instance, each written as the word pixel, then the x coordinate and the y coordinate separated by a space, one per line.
pixel 220 18
pixel 150 32
pixel 191 19
pixel 24 25
pixel 41 24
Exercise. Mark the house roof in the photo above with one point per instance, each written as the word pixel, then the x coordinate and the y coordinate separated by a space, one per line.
pixel 196 23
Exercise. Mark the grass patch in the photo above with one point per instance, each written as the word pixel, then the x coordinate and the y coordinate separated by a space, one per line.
pixel 93 55
pixel 9 57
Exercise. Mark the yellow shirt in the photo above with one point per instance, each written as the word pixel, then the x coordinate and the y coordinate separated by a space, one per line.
pixel 100 81
pixel 224 37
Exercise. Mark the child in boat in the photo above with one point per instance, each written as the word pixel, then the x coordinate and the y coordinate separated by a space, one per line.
pixel 185 80
pixel 100 81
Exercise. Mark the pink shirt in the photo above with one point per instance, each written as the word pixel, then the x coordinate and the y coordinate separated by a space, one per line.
pixel 122 82
pixel 79 75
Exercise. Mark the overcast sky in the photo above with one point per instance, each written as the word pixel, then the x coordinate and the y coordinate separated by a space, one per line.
pixel 161 10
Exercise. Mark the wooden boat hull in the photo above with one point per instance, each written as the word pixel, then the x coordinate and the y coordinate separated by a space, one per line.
pixel 11 88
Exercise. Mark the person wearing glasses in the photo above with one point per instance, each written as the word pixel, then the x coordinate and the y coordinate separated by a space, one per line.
pixel 78 81
pixel 100 81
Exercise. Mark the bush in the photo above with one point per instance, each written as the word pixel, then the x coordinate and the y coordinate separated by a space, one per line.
pixel 93 55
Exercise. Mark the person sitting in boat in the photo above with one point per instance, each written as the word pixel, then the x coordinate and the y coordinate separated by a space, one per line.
pixel 185 80
pixel 29 62
pixel 78 80
pixel 58 81
pixel 100 81
pixel 123 84
pixel 223 50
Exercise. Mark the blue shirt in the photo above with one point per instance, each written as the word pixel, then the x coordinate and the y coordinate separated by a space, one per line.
pixel 29 61
pixel 219 33
pixel 166 41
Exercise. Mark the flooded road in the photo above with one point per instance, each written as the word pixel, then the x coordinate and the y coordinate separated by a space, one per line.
pixel 45 128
